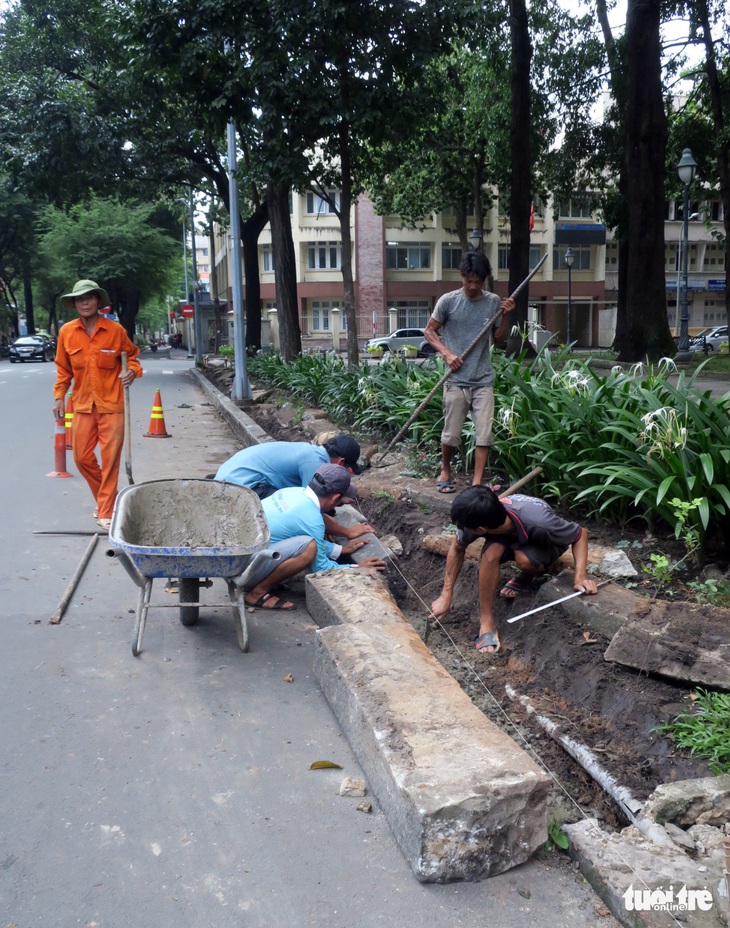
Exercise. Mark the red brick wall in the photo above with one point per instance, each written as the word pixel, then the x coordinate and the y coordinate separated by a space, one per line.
pixel 369 261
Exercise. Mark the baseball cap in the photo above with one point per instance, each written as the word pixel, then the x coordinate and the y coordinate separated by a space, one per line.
pixel 332 478
pixel 344 446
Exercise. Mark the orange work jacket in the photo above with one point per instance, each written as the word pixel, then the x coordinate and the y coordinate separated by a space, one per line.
pixel 94 364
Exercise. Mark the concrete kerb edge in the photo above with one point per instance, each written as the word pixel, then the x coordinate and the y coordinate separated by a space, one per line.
pixel 244 428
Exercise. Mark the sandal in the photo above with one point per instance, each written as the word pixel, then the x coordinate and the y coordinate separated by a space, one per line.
pixel 272 603
pixel 513 588
pixel 488 640
pixel 445 486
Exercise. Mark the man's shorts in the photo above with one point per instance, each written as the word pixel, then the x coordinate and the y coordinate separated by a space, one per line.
pixel 543 556
pixel 458 401
pixel 288 548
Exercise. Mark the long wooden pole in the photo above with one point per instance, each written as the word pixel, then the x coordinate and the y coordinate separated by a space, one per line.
pixel 485 331
pixel 73 583
pixel 127 426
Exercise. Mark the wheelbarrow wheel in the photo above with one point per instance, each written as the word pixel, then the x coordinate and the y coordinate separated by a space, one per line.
pixel 189 592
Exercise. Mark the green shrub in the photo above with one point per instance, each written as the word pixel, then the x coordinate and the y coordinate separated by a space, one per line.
pixel 705 730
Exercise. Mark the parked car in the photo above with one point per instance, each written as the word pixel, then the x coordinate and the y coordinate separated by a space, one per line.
pixel 399 339
pixel 32 348
pixel 711 338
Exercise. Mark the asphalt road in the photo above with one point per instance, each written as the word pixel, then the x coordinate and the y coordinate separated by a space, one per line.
pixel 174 789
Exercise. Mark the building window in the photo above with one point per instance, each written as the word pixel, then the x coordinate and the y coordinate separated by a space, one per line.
pixel 578 207
pixel 581 257
pixel 316 205
pixel 407 257
pixel 324 256
pixel 503 256
pixel 320 316
pixel 450 256
pixel 412 313
pixel 268 257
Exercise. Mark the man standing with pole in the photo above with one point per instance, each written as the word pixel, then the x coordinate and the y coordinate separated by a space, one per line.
pixel 457 319
pixel 89 353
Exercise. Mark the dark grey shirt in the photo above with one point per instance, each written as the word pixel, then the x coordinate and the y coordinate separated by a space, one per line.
pixel 461 320
pixel 535 524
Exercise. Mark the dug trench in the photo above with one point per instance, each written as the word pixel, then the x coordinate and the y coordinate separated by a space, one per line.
pixel 549 657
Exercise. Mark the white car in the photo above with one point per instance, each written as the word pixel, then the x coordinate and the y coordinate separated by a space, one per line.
pixel 399 339
pixel 711 338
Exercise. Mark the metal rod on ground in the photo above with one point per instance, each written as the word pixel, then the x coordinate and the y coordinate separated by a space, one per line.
pixel 554 603
pixel 57 615
pixel 71 531
pixel 127 426
pixel 485 331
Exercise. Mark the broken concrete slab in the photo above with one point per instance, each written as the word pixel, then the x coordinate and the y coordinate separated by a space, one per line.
pixel 684 641
pixel 463 800
pixel 702 801
pixel 337 597
pixel 625 868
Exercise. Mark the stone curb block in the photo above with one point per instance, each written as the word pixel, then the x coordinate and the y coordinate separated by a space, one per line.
pixel 614 864
pixel 463 801
pixel 244 428
pixel 344 597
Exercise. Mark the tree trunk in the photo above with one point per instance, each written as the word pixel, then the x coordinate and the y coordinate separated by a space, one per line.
pixel 618 88
pixel 647 333
pixel 721 149
pixel 520 182
pixel 285 271
pixel 250 231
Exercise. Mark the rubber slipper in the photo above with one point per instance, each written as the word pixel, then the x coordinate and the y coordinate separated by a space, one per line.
pixel 445 486
pixel 513 588
pixel 276 606
pixel 488 640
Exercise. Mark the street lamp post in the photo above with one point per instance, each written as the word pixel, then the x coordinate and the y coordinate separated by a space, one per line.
pixel 686 169
pixel 569 258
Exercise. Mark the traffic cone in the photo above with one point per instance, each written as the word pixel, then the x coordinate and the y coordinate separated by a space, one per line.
pixel 157 420
pixel 59 448
pixel 69 419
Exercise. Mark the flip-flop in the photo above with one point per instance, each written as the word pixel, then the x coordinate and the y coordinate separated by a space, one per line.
pixel 513 588
pixel 276 606
pixel 445 486
pixel 488 640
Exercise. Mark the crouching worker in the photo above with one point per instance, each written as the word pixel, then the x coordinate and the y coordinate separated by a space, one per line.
pixel 297 530
pixel 523 529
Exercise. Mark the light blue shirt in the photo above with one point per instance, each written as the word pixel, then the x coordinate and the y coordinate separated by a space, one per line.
pixel 295 511
pixel 278 463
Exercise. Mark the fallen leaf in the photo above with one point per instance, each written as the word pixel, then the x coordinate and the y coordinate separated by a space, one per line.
pixel 289 678
pixel 324 765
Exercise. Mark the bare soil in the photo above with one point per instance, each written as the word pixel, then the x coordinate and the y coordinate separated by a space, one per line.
pixel 549 657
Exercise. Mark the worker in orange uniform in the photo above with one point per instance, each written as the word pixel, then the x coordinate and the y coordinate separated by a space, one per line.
pixel 89 353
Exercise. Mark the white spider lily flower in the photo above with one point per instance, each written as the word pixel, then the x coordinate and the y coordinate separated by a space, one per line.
pixel 664 431
pixel 637 370
pixel 668 363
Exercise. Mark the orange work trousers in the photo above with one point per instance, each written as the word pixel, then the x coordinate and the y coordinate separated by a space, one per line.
pixel 105 429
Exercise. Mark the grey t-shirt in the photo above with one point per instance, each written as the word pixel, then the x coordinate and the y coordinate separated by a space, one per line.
pixel 535 523
pixel 461 320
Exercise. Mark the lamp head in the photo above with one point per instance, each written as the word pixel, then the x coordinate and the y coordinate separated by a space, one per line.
pixel 569 258
pixel 687 167
pixel 475 239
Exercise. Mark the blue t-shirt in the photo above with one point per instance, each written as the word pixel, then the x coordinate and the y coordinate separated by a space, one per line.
pixel 295 511
pixel 278 463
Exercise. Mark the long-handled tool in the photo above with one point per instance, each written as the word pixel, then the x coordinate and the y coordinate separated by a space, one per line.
pixel 127 426
pixel 555 602
pixel 485 331
pixel 73 583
